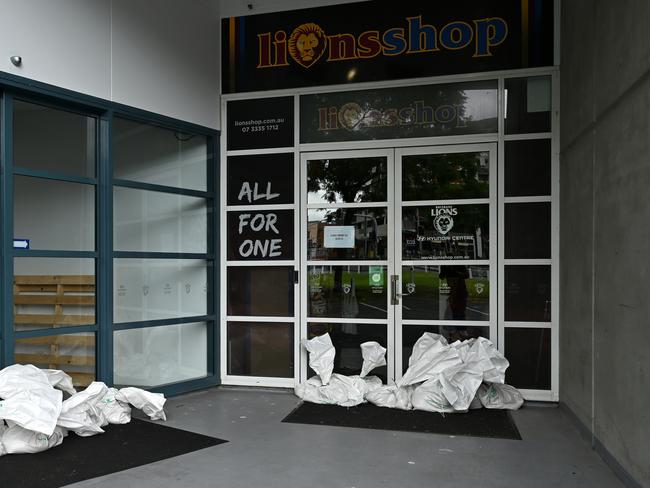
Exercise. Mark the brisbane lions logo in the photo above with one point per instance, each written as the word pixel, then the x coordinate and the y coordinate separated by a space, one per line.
pixel 307 44
pixel 443 223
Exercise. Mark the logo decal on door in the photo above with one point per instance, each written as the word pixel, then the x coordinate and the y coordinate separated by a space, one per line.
pixel 443 220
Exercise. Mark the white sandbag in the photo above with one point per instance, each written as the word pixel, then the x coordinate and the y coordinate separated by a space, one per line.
pixel 113 410
pixel 321 356
pixel 497 374
pixel 476 403
pixel 80 413
pixel 60 380
pixel 391 397
pixel 429 397
pixel 500 396
pixel 431 355
pixel 374 355
pixel 18 440
pixel 28 399
pixel 150 403
pixel 460 383
pixel 345 391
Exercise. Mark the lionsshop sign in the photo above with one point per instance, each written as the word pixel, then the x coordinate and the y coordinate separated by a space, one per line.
pixel 382 40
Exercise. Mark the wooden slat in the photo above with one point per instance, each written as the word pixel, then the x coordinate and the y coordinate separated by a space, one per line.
pixel 42 319
pixel 54 299
pixel 81 379
pixel 55 359
pixel 54 279
pixel 53 288
pixel 62 340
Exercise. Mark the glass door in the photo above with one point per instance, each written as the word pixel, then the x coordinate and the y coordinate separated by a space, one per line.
pixel 395 243
pixel 445 249
pixel 346 253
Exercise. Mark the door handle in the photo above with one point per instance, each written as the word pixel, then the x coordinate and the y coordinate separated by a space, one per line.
pixel 394 294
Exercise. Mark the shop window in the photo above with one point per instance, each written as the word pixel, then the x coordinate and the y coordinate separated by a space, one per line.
pixel 528 168
pixel 444 292
pixel 54 215
pixel 260 349
pixel 529 352
pixel 528 105
pixel 528 230
pixel 48 139
pixel 156 289
pixel 260 290
pixel 150 154
pixel 155 356
pixel 527 293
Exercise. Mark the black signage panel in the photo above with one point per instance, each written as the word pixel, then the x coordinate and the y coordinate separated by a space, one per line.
pixel 260 123
pixel 260 179
pixel 394 113
pixel 384 40
pixel 260 235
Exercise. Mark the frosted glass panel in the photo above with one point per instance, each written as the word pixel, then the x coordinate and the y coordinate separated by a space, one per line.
pixel 160 355
pixel 152 289
pixel 153 221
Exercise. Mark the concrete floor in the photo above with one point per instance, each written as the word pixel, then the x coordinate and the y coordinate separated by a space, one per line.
pixel 265 453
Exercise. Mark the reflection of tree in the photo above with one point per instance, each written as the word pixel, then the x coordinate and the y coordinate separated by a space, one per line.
pixel 348 180
pixel 445 176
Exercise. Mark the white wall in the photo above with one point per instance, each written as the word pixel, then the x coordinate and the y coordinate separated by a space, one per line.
pixel 158 55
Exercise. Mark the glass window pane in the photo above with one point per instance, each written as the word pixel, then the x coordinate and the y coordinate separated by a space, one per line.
pixel 53 292
pixel 54 215
pixel 48 139
pixel 446 176
pixel 529 353
pixel 260 349
pixel 260 179
pixel 347 339
pixel 156 356
pixel 152 289
pixel 446 232
pixel 400 112
pixel 347 291
pixel 347 233
pixel 528 293
pixel 528 230
pixel 528 168
pixel 411 333
pixel 260 235
pixel 72 353
pixel 158 155
pixel 260 290
pixel 528 105
pixel 347 180
pixel 446 292
pixel 153 221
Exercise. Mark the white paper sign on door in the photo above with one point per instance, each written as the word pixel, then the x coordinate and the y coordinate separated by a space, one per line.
pixel 339 236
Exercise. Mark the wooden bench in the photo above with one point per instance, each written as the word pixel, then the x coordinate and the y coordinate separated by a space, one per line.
pixel 44 302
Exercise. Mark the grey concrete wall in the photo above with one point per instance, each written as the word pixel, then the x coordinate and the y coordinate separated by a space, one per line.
pixel 605 225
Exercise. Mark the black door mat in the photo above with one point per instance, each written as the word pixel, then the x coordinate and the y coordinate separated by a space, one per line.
pixel 80 458
pixel 483 422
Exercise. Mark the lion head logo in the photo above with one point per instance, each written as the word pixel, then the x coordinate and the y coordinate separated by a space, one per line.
pixel 307 44
pixel 443 223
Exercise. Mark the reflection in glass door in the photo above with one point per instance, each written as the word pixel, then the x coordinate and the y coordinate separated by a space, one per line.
pixel 445 252
pixel 397 243
pixel 346 253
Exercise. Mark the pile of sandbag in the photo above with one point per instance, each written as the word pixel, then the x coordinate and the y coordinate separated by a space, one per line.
pixel 34 416
pixel 441 377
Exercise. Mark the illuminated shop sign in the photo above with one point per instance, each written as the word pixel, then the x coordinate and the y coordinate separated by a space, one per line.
pixel 381 40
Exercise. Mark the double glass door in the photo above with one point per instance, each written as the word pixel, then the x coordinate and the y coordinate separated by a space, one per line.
pixel 395 243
